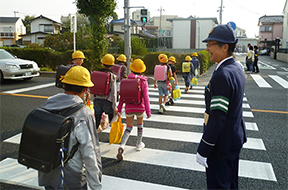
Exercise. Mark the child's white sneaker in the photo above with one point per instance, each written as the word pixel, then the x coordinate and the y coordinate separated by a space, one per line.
pixel 163 107
pixel 160 110
pixel 140 146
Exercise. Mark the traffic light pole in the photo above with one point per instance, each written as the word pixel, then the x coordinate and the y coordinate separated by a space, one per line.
pixel 127 39
pixel 127 35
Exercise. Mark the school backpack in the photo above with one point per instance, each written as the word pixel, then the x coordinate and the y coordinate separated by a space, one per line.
pixel 186 67
pixel 44 133
pixel 130 91
pixel 101 82
pixel 117 70
pixel 160 72
pixel 61 71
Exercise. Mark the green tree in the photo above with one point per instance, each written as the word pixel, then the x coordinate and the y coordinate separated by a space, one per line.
pixel 97 11
pixel 59 42
pixel 26 22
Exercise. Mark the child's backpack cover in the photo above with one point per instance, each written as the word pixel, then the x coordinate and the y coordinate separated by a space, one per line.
pixel 101 82
pixel 130 91
pixel 160 73
pixel 117 70
pixel 43 135
pixel 61 71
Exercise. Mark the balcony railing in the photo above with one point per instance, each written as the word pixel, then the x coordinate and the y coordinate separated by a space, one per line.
pixel 7 34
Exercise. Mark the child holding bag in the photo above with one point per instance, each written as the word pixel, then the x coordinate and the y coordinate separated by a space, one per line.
pixel 137 67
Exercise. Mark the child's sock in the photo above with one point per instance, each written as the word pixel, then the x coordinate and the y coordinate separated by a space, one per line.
pixel 139 133
pixel 126 135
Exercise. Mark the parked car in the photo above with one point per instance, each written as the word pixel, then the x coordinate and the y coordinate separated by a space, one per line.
pixel 13 68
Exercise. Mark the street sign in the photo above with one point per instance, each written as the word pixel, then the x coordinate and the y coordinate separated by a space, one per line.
pixel 232 24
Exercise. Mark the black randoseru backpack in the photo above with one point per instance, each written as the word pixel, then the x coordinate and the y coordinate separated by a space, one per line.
pixel 43 134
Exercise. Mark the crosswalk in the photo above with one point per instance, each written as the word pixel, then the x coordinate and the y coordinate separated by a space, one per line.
pixel 191 103
pixel 263 83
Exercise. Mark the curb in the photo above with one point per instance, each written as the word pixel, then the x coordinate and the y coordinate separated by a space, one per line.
pixel 48 74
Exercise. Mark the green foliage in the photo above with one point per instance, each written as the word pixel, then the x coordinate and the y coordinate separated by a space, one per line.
pixel 59 42
pixel 97 11
pixel 27 23
pixel 138 46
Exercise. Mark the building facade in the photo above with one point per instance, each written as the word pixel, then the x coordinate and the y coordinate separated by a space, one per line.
pixel 188 33
pixel 270 28
pixel 40 27
pixel 285 26
pixel 10 30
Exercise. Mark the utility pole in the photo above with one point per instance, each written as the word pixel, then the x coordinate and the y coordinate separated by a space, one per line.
pixel 220 13
pixel 15 13
pixel 160 16
pixel 127 39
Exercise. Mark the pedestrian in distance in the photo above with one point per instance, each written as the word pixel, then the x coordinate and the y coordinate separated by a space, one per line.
pixel 187 72
pixel 174 80
pixel 161 74
pixel 247 66
pixel 84 169
pixel 255 64
pixel 137 67
pixel 224 128
pixel 77 58
pixel 250 59
pixel 196 64
pixel 122 61
pixel 106 103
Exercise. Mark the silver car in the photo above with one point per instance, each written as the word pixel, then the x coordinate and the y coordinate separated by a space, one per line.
pixel 14 68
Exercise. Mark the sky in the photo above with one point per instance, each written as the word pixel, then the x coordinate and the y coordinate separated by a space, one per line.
pixel 244 13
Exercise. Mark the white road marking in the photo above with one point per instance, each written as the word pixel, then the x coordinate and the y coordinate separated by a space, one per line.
pixel 260 81
pixel 30 88
pixel 191 109
pixel 14 173
pixel 251 169
pixel 279 80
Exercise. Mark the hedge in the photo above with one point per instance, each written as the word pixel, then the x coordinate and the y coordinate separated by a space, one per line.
pixel 51 59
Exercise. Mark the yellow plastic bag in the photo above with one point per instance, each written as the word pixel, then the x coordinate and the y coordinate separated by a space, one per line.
pixel 194 81
pixel 176 93
pixel 116 131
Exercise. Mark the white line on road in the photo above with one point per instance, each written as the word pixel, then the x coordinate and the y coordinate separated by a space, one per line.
pixel 279 80
pixel 14 173
pixel 191 109
pixel 30 88
pixel 251 169
pixel 260 81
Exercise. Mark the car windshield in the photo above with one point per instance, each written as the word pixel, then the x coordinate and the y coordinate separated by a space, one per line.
pixel 6 55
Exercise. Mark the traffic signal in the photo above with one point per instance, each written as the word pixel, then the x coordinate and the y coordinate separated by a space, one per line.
pixel 144 16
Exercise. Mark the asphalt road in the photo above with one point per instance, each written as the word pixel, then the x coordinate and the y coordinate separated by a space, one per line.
pixel 168 161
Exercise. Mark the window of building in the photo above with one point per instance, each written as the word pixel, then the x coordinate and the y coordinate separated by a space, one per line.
pixel 48 28
pixel 265 28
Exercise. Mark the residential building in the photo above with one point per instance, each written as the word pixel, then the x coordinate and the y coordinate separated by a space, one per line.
pixel 270 28
pixel 240 33
pixel 285 26
pixel 188 33
pixel 40 27
pixel 10 30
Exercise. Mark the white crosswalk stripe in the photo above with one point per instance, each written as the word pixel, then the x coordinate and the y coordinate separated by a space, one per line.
pixel 192 103
pixel 262 83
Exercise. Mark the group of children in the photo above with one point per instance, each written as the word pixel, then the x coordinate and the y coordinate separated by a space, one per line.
pixel 107 102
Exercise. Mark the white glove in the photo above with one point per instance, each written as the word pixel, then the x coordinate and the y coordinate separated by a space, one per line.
pixel 201 160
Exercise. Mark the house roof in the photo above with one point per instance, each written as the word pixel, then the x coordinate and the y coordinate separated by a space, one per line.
pixel 39 32
pixel 9 19
pixel 41 16
pixel 271 19
pixel 193 18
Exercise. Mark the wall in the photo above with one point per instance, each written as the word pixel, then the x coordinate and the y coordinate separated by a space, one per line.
pixel 35 25
pixel 285 27
pixel 181 34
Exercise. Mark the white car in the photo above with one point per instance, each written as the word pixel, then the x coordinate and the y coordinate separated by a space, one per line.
pixel 14 68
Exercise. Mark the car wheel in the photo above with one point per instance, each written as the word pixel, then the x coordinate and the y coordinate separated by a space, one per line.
pixel 28 78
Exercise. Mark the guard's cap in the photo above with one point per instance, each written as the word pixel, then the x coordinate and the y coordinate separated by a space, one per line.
pixel 222 33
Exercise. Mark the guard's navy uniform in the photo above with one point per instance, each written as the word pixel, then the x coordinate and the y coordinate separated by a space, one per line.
pixel 224 128
pixel 225 131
